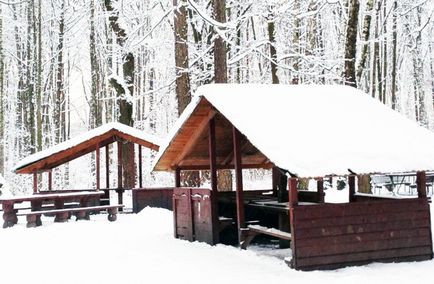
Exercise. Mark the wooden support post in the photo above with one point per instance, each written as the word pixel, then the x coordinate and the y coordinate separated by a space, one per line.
pixel 213 170
pixel 35 182
pixel 177 177
pixel 421 184
pixel 274 179
pixel 239 184
pixel 50 180
pixel 351 188
pixel 140 167
pixel 107 166
pixel 320 190
pixel 120 183
pixel 97 166
pixel 293 193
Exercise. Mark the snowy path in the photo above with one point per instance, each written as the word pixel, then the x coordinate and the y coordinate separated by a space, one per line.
pixel 127 251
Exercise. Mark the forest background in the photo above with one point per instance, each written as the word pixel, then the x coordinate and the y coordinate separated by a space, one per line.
pixel 71 65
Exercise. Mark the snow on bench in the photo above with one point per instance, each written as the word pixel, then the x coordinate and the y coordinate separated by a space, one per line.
pixel 270 231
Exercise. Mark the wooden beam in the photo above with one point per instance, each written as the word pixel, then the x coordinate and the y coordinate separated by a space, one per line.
pixel 107 166
pixel 293 192
pixel 212 154
pixel 192 139
pixel 178 177
pixel 35 182
pixel 224 167
pixel 421 184
pixel 213 170
pixel 230 158
pixel 97 165
pixel 140 167
pixel 351 187
pixel 239 184
pixel 120 184
pixel 50 180
pixel 137 140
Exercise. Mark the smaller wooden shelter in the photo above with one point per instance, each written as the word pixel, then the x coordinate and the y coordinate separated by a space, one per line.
pixel 309 132
pixel 86 143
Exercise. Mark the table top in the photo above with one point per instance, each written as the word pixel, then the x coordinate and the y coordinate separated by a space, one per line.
pixel 21 198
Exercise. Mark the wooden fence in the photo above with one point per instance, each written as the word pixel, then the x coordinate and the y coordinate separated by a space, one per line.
pixel 329 236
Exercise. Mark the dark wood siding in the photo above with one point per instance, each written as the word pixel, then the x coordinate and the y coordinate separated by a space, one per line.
pixel 153 197
pixel 337 235
pixel 193 215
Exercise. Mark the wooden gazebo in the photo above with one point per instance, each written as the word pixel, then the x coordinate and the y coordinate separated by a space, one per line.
pixel 309 132
pixel 86 143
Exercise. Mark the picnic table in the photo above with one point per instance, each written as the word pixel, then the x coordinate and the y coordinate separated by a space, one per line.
pixel 11 212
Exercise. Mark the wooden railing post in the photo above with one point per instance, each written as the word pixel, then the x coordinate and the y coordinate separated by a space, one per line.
pixel 351 188
pixel 177 177
pixel 421 184
pixel 35 182
pixel 320 190
pixel 293 193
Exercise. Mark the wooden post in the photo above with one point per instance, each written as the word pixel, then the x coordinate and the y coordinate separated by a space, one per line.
pixel 50 180
pixel 274 179
pixel 177 177
pixel 320 190
pixel 293 193
pixel 213 170
pixel 107 166
pixel 120 183
pixel 421 184
pixel 140 167
pixel 351 188
pixel 97 166
pixel 35 182
pixel 239 184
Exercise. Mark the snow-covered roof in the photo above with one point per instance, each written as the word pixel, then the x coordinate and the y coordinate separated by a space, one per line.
pixel 112 128
pixel 317 130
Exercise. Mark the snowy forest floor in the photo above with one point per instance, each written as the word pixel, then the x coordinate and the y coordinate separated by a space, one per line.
pixel 140 248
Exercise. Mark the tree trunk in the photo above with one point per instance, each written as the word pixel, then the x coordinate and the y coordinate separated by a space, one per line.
pixel 2 143
pixel 224 177
pixel 273 53
pixel 124 96
pixel 350 43
pixel 394 54
pixel 181 55
pixel 365 38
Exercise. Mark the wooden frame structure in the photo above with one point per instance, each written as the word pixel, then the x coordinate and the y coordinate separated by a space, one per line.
pixel 364 230
pixel 92 141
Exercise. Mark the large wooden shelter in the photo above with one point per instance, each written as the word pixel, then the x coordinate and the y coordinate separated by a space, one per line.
pixel 91 141
pixel 301 132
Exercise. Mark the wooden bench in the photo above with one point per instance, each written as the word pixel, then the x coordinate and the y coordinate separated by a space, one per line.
pixel 62 215
pixel 253 230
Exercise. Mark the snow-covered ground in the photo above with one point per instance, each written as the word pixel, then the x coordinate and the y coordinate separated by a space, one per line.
pixel 140 248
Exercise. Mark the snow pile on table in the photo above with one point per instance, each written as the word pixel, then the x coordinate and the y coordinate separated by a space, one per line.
pixel 141 249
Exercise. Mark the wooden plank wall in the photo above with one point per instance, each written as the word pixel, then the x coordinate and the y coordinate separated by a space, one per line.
pixel 193 215
pixel 153 197
pixel 329 236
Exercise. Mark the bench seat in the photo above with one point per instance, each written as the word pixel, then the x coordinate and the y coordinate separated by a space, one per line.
pixel 253 230
pixel 62 215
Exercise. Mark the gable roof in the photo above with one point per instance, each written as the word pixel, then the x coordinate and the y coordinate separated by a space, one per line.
pixel 83 144
pixel 309 130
